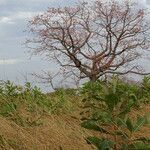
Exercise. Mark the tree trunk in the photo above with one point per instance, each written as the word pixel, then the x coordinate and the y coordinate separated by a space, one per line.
pixel 93 78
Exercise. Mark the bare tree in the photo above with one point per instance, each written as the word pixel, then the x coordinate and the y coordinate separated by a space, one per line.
pixel 93 39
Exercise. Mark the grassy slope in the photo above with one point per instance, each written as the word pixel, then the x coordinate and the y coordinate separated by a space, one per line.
pixel 39 125
pixel 31 126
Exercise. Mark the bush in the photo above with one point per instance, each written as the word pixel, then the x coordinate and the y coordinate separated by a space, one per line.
pixel 113 100
pixel 145 90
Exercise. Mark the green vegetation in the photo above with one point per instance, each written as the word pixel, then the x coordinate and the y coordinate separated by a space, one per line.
pixel 16 99
pixel 104 106
pixel 111 105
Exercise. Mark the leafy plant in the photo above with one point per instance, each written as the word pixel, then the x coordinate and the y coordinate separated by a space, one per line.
pixel 60 102
pixel 91 90
pixel 114 98
pixel 124 129
pixel 7 108
pixel 117 99
pixel 101 144
pixel 145 90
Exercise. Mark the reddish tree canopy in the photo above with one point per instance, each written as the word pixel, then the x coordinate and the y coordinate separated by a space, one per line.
pixel 93 39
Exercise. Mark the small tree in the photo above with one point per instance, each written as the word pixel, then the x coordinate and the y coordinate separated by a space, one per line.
pixel 93 39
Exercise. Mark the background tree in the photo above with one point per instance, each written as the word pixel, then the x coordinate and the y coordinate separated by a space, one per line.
pixel 93 39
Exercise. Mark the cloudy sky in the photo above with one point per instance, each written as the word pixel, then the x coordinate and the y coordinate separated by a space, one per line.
pixel 15 62
pixel 14 14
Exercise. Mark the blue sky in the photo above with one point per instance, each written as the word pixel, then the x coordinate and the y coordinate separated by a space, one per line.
pixel 14 14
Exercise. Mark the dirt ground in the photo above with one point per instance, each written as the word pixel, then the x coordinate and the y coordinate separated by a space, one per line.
pixel 57 132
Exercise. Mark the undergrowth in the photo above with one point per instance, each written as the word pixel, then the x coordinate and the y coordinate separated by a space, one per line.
pixel 104 107
pixel 22 103
pixel 109 104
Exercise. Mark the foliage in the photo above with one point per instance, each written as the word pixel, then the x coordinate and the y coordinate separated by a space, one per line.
pixel 113 101
pixel 112 98
pixel 109 103
pixel 122 129
pixel 145 90
pixel 91 90
pixel 101 144
pixel 14 99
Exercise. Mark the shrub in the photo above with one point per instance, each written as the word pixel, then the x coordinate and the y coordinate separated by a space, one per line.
pixel 145 90
pixel 117 98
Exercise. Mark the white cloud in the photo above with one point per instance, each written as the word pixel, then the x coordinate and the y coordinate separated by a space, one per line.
pixel 2 2
pixel 7 20
pixel 22 15
pixel 42 0
pixel 27 1
pixel 10 61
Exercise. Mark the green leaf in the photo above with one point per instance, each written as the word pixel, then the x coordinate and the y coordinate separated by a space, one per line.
pixel 140 122
pixel 123 134
pixel 106 144
pixel 111 101
pixel 101 144
pixel 143 139
pixel 129 125
pixel 125 147
pixel 95 141
pixel 127 109
pixel 133 99
pixel 139 146
pixel 121 122
pixel 147 119
pixel 131 103
pixel 7 108
pixel 92 126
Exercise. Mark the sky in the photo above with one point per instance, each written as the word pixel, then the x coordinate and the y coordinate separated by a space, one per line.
pixel 15 62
